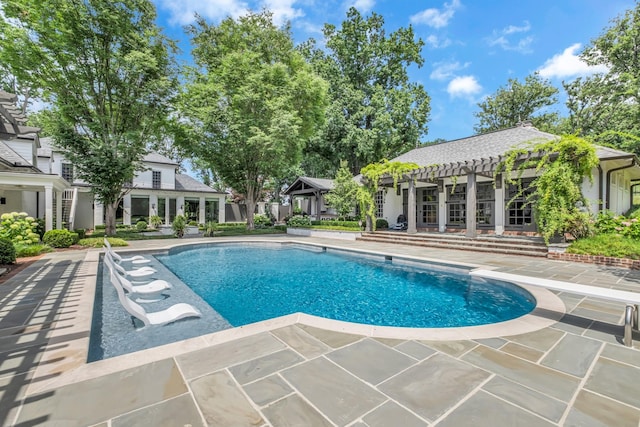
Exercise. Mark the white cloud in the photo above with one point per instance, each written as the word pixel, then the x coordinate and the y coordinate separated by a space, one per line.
pixel 436 18
pixel 523 45
pixel 446 70
pixel 568 64
pixel 463 87
pixel 437 42
pixel 183 12
pixel 282 10
pixel 363 6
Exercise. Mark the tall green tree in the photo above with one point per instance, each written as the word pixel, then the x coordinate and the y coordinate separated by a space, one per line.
pixel 606 106
pixel 375 111
pixel 519 101
pixel 109 74
pixel 253 101
pixel 344 194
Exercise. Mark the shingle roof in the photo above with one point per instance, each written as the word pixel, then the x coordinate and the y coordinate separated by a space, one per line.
pixel 187 183
pixel 319 183
pixel 11 157
pixel 154 157
pixel 492 144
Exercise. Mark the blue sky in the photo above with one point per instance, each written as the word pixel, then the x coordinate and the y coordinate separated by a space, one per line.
pixel 472 47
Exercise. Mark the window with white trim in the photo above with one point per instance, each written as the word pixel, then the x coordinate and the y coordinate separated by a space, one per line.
pixel 380 204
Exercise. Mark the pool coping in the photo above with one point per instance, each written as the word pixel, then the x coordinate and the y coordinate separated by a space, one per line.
pixel 64 360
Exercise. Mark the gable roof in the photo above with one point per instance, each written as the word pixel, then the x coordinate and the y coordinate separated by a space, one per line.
pixel 187 183
pixel 154 157
pixel 308 185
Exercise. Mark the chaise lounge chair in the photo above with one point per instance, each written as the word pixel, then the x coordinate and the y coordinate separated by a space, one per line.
pixel 138 276
pixel 142 293
pixel 135 260
pixel 169 315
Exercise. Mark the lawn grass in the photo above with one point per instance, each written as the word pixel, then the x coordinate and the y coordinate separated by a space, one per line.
pixel 612 245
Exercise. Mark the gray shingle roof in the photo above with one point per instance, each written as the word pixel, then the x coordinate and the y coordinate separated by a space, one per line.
pixel 154 157
pixel 11 157
pixel 187 183
pixel 476 147
pixel 319 183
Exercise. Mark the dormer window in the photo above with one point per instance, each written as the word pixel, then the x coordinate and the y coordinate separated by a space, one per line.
pixel 67 171
pixel 156 180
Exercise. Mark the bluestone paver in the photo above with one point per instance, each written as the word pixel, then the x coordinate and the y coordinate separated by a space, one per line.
pixel 302 342
pixel 267 390
pixel 573 355
pixel 293 411
pixel 261 367
pixel 179 411
pixel 616 380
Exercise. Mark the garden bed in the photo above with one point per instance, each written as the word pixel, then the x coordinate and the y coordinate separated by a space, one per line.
pixel 330 234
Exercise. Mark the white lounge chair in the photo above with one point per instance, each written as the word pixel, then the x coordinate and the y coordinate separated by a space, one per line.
pixel 135 260
pixel 149 292
pixel 169 315
pixel 137 276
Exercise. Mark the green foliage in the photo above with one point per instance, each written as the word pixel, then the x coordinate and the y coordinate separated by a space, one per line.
pixel 7 251
pixel 23 250
pixel 516 102
pixel 81 232
pixel 253 102
pixel 178 225
pixel 19 227
pixel 381 223
pixel 609 223
pixel 141 225
pixel 299 221
pixel 98 242
pixel 193 223
pixel 262 221
pixel 376 112
pixel 210 229
pixel 613 245
pixel 100 227
pixel 40 227
pixel 336 223
pixel 59 238
pixel 156 221
pixel 372 174
pixel 343 195
pixel 109 74
pixel 561 166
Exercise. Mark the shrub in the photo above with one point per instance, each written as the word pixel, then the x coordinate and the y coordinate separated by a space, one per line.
pixel 58 238
pixel 19 227
pixel 299 221
pixel 98 242
pixel 155 221
pixel 141 225
pixel 381 223
pixel 608 223
pixel 193 223
pixel 210 228
pixel 7 251
pixel 260 220
pixel 41 227
pixel 31 250
pixel 298 211
pixel 81 232
pixel 607 245
pixel 100 227
pixel 178 225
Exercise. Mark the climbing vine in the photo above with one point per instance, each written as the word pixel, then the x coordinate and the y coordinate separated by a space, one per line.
pixel 372 174
pixel 556 196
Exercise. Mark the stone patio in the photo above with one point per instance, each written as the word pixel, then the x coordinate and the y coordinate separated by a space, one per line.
pixel 575 372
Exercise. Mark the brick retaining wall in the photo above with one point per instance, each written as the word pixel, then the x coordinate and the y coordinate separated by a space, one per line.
pixel 633 264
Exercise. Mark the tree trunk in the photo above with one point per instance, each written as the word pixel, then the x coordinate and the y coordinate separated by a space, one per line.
pixel 251 208
pixel 110 219
pixel 368 223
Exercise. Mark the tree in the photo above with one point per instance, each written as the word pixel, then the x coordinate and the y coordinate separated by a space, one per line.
pixel 109 74
pixel 375 111
pixel 253 102
pixel 562 164
pixel 516 102
pixel 606 106
pixel 343 196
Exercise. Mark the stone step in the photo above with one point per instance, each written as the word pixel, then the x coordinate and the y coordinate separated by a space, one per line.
pixel 468 245
pixel 520 240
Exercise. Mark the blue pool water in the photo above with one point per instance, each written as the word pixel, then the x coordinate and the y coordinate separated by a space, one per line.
pixel 247 284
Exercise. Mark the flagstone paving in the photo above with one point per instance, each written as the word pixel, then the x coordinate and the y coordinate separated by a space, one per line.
pixel 574 373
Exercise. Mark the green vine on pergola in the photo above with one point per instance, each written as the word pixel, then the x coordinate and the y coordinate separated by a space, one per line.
pixel 373 174
pixel 560 166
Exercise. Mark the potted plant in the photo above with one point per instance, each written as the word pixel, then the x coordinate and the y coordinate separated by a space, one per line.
pixel 155 221
pixel 179 225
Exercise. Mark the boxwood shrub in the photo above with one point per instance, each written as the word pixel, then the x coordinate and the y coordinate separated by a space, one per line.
pixel 7 251
pixel 59 238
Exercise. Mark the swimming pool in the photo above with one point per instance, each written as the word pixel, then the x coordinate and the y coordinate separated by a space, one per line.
pixel 251 283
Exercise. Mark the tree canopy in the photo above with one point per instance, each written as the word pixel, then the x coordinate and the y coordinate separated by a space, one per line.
pixel 375 111
pixel 344 193
pixel 253 102
pixel 109 74
pixel 516 102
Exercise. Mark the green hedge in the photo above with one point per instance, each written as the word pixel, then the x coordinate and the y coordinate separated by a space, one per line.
pixel 336 223
pixel 7 251
pixel 59 238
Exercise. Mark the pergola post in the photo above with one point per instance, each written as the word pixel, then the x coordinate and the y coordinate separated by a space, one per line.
pixel 48 207
pixel 411 202
pixel 471 206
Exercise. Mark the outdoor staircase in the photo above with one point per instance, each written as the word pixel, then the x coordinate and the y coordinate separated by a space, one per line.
pixel 69 206
pixel 512 245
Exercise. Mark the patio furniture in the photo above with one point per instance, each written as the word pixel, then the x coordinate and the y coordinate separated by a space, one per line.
pixel 149 292
pixel 141 274
pixel 158 318
pixel 135 260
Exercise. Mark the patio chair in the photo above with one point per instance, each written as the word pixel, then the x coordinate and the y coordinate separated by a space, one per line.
pixel 135 260
pixel 149 292
pixel 157 318
pixel 401 223
pixel 141 274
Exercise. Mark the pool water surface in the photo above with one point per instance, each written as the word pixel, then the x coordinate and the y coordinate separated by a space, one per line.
pixel 251 283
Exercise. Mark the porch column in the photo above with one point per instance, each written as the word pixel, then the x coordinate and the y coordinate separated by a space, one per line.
pixel 126 209
pixel 48 207
pixel 166 211
pixel 222 209
pixel 471 206
pixel 153 205
pixel 180 205
pixel 442 207
pixel 411 208
pixel 98 213
pixel 499 205
pixel 318 205
pixel 202 213
pixel 59 210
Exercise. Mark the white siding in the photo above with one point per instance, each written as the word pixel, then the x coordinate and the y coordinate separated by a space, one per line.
pixel 167 175
pixel 22 148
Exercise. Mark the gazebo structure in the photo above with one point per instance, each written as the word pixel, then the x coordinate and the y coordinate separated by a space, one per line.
pixel 21 182
pixel 312 191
